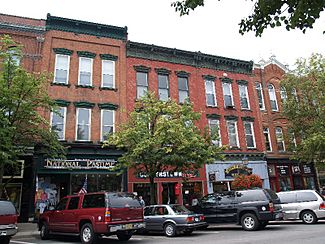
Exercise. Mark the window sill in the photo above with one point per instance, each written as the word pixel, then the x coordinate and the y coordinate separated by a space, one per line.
pixel 85 86
pixel 85 142
pixel 230 107
pixel 246 109
pixel 235 148
pixel 211 106
pixel 251 148
pixel 60 84
pixel 108 88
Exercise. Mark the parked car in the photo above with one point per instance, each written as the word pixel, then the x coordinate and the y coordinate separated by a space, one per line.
pixel 172 219
pixel 93 215
pixel 8 221
pixel 253 209
pixel 307 205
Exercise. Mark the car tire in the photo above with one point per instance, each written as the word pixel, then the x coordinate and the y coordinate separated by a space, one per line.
pixel 87 234
pixel 5 240
pixel 170 230
pixel 188 232
pixel 44 232
pixel 249 222
pixel 309 217
pixel 124 235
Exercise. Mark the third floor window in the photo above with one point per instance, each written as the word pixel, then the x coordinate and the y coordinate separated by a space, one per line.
pixel 85 71
pixel 273 101
pixel 108 73
pixel 163 87
pixel 61 73
pixel 227 94
pixel 259 91
pixel 243 94
pixel 210 93
pixel 142 84
pixel 182 89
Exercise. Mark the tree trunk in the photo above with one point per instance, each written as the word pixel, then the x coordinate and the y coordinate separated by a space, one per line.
pixel 1 177
pixel 152 190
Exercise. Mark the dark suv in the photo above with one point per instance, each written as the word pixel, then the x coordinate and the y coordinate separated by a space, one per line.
pixel 93 215
pixel 253 209
pixel 8 221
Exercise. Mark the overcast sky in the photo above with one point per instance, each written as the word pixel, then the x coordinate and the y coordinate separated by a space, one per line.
pixel 212 29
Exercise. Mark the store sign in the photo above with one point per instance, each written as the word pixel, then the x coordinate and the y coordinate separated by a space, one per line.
pixel 80 164
pixel 237 169
pixel 172 174
pixel 307 169
pixel 296 169
pixel 283 170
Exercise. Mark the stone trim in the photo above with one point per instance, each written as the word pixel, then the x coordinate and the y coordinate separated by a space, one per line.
pixel 248 119
pixel 162 71
pixel 142 68
pixel 108 57
pixel 63 51
pixel 84 104
pixel 86 54
pixel 109 106
pixel 231 117
pixel 226 80
pixel 213 116
pixel 182 74
pixel 209 77
pixel 242 82
pixel 62 103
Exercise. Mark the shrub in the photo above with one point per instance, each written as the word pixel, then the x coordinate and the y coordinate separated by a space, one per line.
pixel 242 182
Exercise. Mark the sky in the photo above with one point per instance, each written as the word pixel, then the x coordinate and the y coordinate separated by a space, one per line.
pixel 212 29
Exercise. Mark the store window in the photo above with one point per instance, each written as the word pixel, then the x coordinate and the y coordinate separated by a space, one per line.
pixel 143 189
pixel 310 183
pixel 285 184
pixel 191 191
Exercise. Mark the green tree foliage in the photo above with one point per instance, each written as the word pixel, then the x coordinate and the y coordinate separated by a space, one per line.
pixel 162 136
pixel 305 107
pixel 22 97
pixel 293 14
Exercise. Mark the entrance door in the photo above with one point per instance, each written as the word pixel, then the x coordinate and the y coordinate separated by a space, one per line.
pixel 168 193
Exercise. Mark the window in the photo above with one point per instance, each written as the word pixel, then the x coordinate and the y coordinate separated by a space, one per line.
pixel 267 138
pixel 14 56
pixel 283 93
pixel 292 140
pixel 148 211
pixel 161 211
pixel 83 124
pixel 210 93
pixel 249 133
pixel 227 94
pixel 163 87
pixel 274 104
pixel 306 197
pixel 251 196
pixel 209 199
pixel 61 72
pixel 85 71
pixel 122 200
pixel 58 121
pixel 215 131
pixel 94 201
pixel 279 139
pixel 182 89
pixel 108 73
pixel 73 203
pixel 260 95
pixel 142 84
pixel 62 204
pixel 232 133
pixel 107 122
pixel 294 94
pixel 287 197
pixel 243 94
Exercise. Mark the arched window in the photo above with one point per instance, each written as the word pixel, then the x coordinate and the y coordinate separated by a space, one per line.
pixel 283 93
pixel 274 104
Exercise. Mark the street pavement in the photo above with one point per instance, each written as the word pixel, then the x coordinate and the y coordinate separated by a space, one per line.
pixel 288 232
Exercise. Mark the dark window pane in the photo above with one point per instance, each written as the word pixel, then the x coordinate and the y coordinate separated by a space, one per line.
pixel 73 203
pixel 122 200
pixel 94 201
pixel 306 197
pixel 62 204
pixel 142 79
pixel 7 207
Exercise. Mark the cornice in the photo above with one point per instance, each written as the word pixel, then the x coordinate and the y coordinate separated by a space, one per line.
pixel 213 116
pixel 86 54
pixel 209 77
pixel 63 51
pixel 84 104
pixel 109 106
pixel 242 82
pixel 62 103
pixel 182 74
pixel 142 68
pixel 107 56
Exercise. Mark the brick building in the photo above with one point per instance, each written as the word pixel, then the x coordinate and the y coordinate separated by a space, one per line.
pixel 284 173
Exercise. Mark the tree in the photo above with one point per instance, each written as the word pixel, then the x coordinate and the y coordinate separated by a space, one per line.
pixel 293 14
pixel 162 136
pixel 243 182
pixel 22 97
pixel 305 107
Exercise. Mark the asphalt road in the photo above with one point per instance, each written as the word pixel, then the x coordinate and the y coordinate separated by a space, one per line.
pixel 282 233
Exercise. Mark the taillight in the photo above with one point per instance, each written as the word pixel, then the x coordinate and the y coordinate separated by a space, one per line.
pixel 190 219
pixel 271 207
pixel 322 206
pixel 202 218
pixel 107 215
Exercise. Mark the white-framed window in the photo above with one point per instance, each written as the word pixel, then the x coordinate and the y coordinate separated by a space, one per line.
pixel 61 72
pixel 273 101
pixel 182 89
pixel 279 139
pixel 163 87
pixel 58 122
pixel 214 128
pixel 283 94
pixel 107 123
pixel 292 140
pixel 232 133
pixel 83 124
pixel 142 84
pixel 227 94
pixel 267 138
pixel 210 93
pixel 249 134
pixel 243 94
pixel 85 71
pixel 108 73
pixel 260 96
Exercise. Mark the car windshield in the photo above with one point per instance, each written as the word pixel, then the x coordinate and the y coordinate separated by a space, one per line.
pixel 179 209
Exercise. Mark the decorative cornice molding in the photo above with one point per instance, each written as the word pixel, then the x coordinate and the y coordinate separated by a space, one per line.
pixel 84 104
pixel 225 80
pixel 63 51
pixel 209 77
pixel 142 68
pixel 242 82
pixel 162 71
pixel 62 103
pixel 86 54
pixel 231 117
pixel 109 106
pixel 213 116
pixel 248 119
pixel 107 56
pixel 183 74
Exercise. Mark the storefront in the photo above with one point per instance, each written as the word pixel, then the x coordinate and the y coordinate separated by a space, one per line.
pixel 170 186
pixel 286 175
pixel 220 174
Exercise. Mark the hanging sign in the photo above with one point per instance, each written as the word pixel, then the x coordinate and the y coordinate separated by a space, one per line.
pixel 237 169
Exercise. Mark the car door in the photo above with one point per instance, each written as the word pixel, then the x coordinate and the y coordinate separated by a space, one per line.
pixel 56 221
pixel 70 216
pixel 208 206
pixel 148 217
pixel 158 218
pixel 289 204
pixel 225 209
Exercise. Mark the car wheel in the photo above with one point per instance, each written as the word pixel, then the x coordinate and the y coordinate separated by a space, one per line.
pixel 5 240
pixel 188 232
pixel 309 217
pixel 249 222
pixel 87 234
pixel 44 232
pixel 124 236
pixel 170 230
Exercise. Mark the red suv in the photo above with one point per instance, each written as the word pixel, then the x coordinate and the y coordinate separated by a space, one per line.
pixel 93 215
pixel 8 221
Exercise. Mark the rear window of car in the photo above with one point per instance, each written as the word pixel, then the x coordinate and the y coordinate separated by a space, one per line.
pixel 7 208
pixel 123 200
pixel 306 197
pixel 179 209
pixel 289 197
pixel 94 201
pixel 251 196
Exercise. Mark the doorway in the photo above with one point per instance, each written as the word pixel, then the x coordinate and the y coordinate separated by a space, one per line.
pixel 168 193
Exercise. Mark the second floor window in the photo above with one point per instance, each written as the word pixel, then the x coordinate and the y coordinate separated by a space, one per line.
pixel 163 87
pixel 214 127
pixel 83 124
pixel 243 94
pixel 279 139
pixel 232 133
pixel 61 73
pixel 283 94
pixel 259 91
pixel 107 123
pixel 267 139
pixel 182 89
pixel 58 120
pixel 249 134
pixel 210 93
pixel 273 101
pixel 142 84
pixel 227 94
pixel 108 73
pixel 85 71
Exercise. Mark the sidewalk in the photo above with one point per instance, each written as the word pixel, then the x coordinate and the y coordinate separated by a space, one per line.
pixel 26 229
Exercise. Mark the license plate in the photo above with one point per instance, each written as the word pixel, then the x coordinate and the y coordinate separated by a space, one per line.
pixel 128 226
pixel 3 233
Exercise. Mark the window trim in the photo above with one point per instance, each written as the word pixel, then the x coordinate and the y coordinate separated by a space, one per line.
pixel 64 121
pixel 247 96
pixel 89 130
pixel 236 130
pixel 55 68
pixel 260 89
pixel 269 137
pixel 91 71
pixel 231 95
pixel 101 122
pixel 214 93
pixel 276 102
pixel 253 134
pixel 108 61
